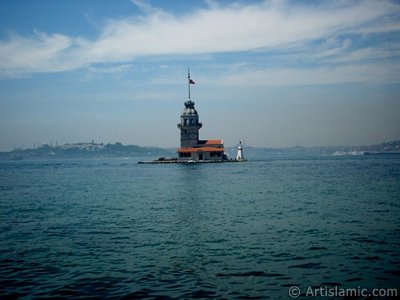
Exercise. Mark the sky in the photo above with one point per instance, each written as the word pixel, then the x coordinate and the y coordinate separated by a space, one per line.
pixel 268 73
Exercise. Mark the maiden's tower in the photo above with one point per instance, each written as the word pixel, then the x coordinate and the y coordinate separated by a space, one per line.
pixel 192 148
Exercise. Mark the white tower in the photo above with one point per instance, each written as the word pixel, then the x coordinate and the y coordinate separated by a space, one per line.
pixel 239 155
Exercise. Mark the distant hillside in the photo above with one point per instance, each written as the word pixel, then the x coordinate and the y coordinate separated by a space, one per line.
pixel 392 147
pixel 118 150
pixel 85 150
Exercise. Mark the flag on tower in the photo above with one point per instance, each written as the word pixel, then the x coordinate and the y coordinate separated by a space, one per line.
pixel 191 81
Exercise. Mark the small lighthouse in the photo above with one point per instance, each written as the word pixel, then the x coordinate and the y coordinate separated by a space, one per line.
pixel 239 155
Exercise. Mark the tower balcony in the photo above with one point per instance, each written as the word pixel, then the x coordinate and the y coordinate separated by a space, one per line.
pixel 190 126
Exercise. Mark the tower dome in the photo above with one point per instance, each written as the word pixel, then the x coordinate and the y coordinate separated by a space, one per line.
pixel 189 108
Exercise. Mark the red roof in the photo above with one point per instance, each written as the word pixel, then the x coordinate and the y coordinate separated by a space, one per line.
pixel 200 149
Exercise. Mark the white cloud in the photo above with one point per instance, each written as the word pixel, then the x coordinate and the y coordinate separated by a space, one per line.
pixel 110 70
pixel 372 72
pixel 370 53
pixel 235 28
pixel 38 53
pixel 212 30
pixel 333 47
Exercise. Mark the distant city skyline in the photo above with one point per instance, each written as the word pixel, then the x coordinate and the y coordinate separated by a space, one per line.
pixel 269 73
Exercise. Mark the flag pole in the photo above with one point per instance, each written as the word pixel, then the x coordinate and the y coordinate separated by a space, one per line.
pixel 189 82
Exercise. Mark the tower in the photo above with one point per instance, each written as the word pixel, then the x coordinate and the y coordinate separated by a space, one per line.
pixel 193 149
pixel 189 125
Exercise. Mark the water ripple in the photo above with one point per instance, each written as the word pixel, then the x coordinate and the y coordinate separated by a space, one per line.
pixel 109 228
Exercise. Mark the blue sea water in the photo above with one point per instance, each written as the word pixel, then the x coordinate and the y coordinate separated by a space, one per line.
pixel 114 228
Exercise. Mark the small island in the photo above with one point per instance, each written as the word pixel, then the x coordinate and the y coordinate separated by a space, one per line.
pixel 192 149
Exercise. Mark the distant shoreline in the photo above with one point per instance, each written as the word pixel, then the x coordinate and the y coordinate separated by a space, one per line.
pixel 86 150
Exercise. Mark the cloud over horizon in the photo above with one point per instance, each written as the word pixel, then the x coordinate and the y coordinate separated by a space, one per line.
pixel 262 27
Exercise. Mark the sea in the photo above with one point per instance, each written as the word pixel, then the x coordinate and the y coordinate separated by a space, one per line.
pixel 274 227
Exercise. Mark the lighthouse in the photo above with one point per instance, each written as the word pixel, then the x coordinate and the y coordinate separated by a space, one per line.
pixel 239 155
pixel 192 148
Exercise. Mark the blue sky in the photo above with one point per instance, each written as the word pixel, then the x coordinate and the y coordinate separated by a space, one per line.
pixel 270 73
